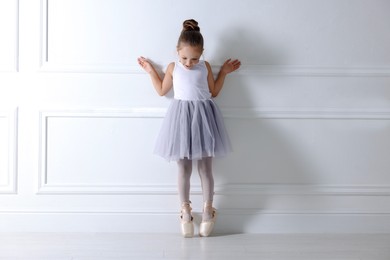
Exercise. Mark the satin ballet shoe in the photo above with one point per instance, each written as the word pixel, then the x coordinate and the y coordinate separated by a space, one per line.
pixel 186 222
pixel 207 226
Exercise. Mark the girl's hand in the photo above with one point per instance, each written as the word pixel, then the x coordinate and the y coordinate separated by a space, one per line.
pixel 145 64
pixel 230 66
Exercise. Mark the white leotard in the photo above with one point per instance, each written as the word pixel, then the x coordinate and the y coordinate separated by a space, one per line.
pixel 191 84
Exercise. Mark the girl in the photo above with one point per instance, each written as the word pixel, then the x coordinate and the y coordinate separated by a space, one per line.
pixel 193 128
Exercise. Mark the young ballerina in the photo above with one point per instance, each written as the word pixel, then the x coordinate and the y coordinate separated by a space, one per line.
pixel 193 128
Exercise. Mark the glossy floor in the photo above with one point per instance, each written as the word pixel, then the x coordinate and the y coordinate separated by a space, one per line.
pixel 100 246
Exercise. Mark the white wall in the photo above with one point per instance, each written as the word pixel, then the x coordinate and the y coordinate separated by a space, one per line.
pixel 308 115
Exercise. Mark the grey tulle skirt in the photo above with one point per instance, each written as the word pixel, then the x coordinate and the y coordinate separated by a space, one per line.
pixel 192 129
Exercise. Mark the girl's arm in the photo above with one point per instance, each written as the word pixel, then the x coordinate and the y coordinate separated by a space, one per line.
pixel 162 86
pixel 228 67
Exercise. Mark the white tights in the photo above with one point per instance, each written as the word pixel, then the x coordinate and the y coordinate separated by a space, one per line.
pixel 206 178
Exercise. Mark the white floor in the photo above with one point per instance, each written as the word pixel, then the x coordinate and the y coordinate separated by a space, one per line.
pixel 99 246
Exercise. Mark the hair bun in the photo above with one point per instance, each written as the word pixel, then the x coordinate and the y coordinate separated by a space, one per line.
pixel 190 25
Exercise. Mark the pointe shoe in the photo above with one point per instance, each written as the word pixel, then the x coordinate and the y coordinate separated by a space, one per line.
pixel 207 226
pixel 187 225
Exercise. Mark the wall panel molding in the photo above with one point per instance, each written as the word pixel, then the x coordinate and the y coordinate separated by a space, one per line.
pixel 307 113
pixel 254 189
pixel 252 70
pixel 313 71
pixel 10 117
pixel 130 67
pixel 239 189
pixel 48 188
pixel 228 112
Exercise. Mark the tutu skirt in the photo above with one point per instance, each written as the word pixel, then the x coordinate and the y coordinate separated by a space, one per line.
pixel 192 129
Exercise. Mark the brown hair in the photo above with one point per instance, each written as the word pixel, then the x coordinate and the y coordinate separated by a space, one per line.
pixel 191 35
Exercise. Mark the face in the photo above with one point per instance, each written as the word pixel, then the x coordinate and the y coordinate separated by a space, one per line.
pixel 189 55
